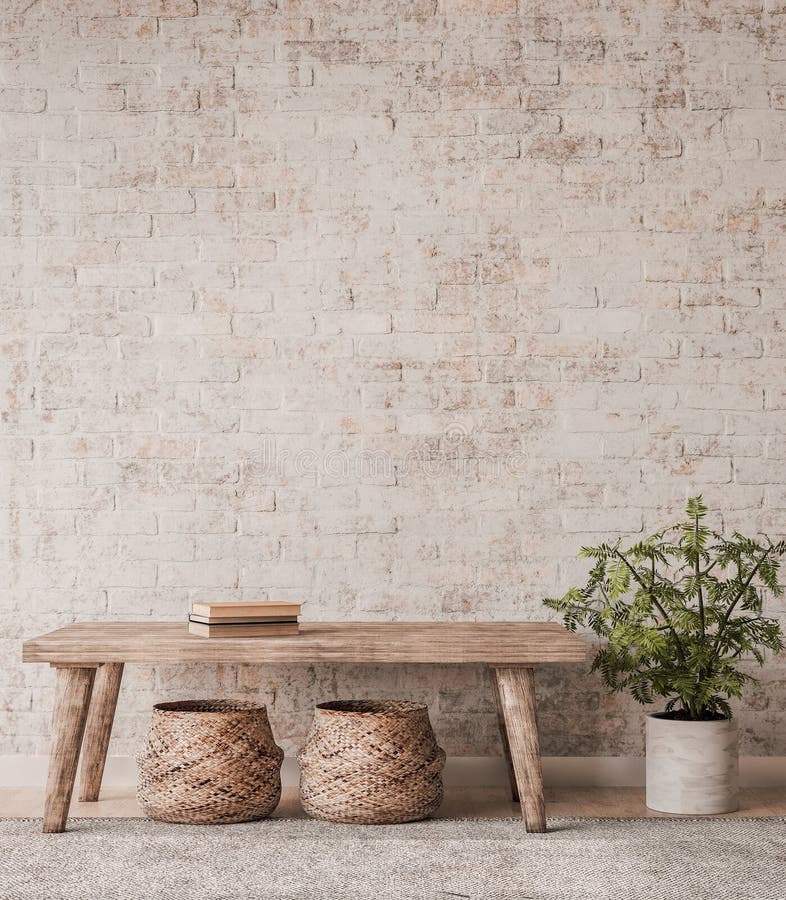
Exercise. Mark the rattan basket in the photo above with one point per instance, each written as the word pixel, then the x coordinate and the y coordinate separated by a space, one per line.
pixel 208 762
pixel 371 762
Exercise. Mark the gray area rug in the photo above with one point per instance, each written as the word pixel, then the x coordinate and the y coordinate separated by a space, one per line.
pixel 443 859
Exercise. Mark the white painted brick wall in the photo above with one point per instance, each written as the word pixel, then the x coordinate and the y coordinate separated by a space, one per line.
pixel 385 308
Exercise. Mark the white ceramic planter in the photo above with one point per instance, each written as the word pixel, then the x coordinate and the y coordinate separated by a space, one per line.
pixel 692 767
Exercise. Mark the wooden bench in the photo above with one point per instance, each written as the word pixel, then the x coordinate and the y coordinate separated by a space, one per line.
pixel 89 658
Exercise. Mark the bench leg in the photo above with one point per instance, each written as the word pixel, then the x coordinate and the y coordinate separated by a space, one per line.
pixel 516 687
pixel 99 729
pixel 74 686
pixel 503 733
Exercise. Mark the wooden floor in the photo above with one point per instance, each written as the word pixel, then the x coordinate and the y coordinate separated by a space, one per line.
pixel 459 802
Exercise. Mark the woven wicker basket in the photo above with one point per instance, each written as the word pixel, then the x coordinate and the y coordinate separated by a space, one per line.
pixel 208 762
pixel 371 762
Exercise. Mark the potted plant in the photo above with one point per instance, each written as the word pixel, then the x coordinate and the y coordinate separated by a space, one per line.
pixel 679 611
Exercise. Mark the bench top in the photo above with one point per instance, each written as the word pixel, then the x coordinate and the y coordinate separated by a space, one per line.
pixel 501 643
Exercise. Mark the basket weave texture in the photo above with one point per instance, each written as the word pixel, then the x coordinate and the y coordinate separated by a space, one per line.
pixel 371 762
pixel 209 762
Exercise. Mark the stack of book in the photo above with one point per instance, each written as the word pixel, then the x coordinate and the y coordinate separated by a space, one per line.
pixel 243 619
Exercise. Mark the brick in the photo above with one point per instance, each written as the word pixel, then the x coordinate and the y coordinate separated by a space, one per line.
pixel 197 523
pixel 116 225
pixel 604 521
pixel 146 99
pixel 22 100
pixel 152 446
pixel 162 9
pixel 136 574
pixel 435 125
pixel 192 324
pixel 196 176
pixel 132 471
pixel 87 99
pixel 724 397
pixel 117 74
pixel 723 346
pixel 199 574
pixel 432 323
pixel 354 323
pixel 173 548
pixel 72 447
pixel 104 522
pixel 727 295
pixel 522 369
pixel 600 370
pixel 241 248
pixel 696 270
pixel 485 97
pixel 115 276
pixel 198 125
pixel 261 325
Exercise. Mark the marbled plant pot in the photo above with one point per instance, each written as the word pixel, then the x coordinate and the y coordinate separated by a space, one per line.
pixel 692 767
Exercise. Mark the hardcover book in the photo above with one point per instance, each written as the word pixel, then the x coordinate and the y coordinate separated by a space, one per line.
pixel 246 609
pixel 242 629
pixel 239 620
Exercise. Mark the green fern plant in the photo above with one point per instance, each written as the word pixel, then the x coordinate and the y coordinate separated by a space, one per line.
pixel 678 612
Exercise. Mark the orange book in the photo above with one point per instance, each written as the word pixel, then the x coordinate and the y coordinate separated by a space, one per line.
pixel 247 610
pixel 239 620
pixel 243 630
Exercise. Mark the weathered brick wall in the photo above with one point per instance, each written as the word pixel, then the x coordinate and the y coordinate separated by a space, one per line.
pixel 385 307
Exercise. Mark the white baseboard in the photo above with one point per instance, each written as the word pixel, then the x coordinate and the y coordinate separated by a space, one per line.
pixel 460 771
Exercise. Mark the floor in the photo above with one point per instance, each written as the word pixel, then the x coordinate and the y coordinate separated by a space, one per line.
pixel 459 802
